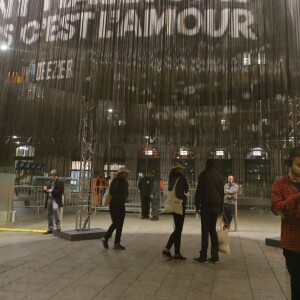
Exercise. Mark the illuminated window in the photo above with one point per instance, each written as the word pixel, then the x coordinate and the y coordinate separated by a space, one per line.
pixel 25 151
pixel 257 153
pixel 220 153
pixel 148 152
pixel 246 59
pixel 75 168
pixel 183 153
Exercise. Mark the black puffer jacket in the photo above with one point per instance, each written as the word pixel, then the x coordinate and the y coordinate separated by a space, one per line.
pixel 210 191
pixel 118 190
pixel 182 186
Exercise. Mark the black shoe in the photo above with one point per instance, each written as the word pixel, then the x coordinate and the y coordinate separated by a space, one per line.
pixel 179 257
pixel 48 232
pixel 143 218
pixel 202 260
pixel 105 243
pixel 167 253
pixel 155 218
pixel 119 247
pixel 214 260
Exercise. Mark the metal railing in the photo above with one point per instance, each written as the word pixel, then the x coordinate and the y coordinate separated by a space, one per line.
pixel 33 196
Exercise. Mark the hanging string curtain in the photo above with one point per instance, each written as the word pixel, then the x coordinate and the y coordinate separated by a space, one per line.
pixel 204 73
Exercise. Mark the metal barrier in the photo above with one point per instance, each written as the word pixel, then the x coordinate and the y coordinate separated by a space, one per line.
pixel 33 196
pixel 28 196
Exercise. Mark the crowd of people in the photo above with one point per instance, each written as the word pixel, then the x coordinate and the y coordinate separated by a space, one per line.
pixel 213 199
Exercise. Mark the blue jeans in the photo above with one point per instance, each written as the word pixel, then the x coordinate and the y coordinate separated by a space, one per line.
pixel 53 210
pixel 155 204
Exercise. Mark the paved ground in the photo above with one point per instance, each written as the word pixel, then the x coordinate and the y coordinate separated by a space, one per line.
pixel 36 266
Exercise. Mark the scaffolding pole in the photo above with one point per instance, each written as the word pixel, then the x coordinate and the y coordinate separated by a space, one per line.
pixel 86 167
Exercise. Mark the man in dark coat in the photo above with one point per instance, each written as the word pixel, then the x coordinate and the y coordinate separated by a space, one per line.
pixel 54 191
pixel 209 201
pixel 145 186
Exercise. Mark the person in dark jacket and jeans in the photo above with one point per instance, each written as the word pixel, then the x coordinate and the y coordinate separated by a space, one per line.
pixel 209 201
pixel 118 190
pixel 54 191
pixel 181 189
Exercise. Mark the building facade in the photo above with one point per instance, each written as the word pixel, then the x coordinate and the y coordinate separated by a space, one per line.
pixel 163 81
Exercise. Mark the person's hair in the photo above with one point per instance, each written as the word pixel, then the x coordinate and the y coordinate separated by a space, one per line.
pixel 209 164
pixel 294 152
pixel 172 173
pixel 54 172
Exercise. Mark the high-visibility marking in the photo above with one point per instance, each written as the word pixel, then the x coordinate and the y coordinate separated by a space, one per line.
pixel 22 230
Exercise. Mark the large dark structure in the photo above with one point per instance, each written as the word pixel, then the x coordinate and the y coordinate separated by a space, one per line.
pixel 168 80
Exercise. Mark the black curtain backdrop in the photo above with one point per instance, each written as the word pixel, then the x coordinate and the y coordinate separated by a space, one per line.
pixel 200 73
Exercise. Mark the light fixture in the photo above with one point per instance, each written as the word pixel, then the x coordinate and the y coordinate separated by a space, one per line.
pixel 3 47
pixel 246 59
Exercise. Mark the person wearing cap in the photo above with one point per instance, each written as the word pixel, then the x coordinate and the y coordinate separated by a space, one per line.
pixel 118 190
pixel 209 201
pixel 286 205
pixel 181 189
pixel 54 191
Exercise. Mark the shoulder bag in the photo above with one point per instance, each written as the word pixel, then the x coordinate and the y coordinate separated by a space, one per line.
pixel 107 196
pixel 223 238
pixel 173 204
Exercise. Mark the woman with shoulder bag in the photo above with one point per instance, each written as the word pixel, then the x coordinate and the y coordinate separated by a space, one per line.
pixel 118 190
pixel 176 177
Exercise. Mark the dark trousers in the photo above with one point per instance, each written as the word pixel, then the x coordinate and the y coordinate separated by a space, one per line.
pixel 145 203
pixel 117 214
pixel 175 237
pixel 208 228
pixel 292 260
pixel 155 204
pixel 228 213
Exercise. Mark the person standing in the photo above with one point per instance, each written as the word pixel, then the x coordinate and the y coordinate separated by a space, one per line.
pixel 209 200
pixel 231 190
pixel 145 186
pixel 118 190
pixel 286 204
pixel 97 185
pixel 54 191
pixel 155 195
pixel 176 175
